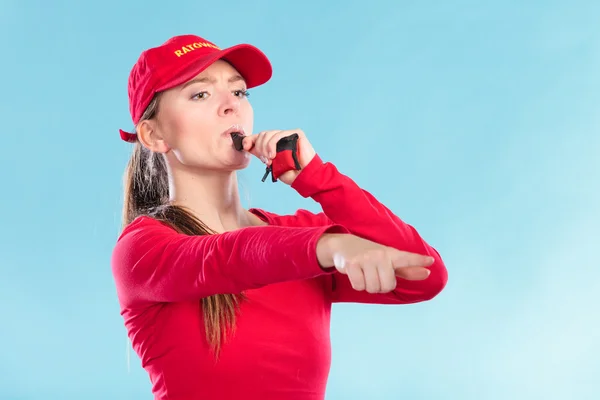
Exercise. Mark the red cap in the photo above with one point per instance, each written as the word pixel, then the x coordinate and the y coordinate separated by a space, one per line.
pixel 181 58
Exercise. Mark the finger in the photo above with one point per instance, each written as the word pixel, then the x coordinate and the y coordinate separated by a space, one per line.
pixel 412 273
pixel 249 141
pixel 263 141
pixel 387 278
pixel 271 145
pixel 402 259
pixel 257 150
pixel 356 277
pixel 252 144
pixel 371 275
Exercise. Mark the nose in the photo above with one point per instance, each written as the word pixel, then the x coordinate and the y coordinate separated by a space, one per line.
pixel 230 104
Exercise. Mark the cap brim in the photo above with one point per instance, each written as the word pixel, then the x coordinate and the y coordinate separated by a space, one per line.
pixel 249 61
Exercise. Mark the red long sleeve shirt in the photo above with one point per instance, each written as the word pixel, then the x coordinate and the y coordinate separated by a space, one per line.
pixel 281 346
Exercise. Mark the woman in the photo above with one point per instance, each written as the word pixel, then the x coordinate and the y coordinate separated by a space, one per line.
pixel 226 303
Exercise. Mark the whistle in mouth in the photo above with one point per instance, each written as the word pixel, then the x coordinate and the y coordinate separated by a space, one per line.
pixel 286 157
pixel 238 141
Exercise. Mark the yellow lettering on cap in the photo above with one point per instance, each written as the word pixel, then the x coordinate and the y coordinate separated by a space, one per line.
pixel 191 47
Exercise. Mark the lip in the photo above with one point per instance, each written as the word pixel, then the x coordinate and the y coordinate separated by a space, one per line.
pixel 235 128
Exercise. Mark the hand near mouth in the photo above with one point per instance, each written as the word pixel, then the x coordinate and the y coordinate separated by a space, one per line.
pixel 263 145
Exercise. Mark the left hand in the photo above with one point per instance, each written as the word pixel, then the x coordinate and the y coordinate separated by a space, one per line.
pixel 263 145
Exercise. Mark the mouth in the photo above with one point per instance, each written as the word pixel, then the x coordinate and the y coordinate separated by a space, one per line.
pixel 237 136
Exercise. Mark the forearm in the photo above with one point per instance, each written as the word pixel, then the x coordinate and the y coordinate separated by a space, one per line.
pixel 345 203
pixel 152 263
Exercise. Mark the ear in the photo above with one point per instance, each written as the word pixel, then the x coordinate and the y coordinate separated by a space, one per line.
pixel 150 137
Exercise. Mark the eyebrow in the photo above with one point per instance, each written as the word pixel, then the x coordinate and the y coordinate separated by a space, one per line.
pixel 207 79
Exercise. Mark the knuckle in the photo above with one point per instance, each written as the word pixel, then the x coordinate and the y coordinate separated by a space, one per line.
pixel 375 287
pixel 378 254
pixel 357 284
pixel 389 285
pixel 388 277
pixel 351 264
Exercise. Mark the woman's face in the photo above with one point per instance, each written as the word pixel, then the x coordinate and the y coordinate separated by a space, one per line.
pixel 194 121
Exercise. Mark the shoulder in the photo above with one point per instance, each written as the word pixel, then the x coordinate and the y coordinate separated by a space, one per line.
pixel 139 237
pixel 144 225
pixel 299 218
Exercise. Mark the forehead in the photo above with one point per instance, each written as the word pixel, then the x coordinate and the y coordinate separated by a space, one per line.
pixel 218 69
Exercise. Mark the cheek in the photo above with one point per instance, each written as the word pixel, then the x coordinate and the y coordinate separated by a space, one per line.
pixel 188 129
pixel 191 138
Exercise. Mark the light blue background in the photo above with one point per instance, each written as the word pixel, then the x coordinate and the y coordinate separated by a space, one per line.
pixel 477 123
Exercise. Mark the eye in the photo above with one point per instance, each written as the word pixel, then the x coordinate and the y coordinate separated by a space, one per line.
pixel 241 93
pixel 200 95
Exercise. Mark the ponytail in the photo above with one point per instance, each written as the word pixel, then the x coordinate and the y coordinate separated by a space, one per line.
pixel 146 186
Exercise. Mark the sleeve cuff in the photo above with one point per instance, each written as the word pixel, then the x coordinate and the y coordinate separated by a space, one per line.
pixel 334 228
pixel 304 183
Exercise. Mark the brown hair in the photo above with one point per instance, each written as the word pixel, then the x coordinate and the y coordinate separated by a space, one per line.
pixel 147 193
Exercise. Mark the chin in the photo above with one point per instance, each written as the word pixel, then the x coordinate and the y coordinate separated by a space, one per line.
pixel 239 162
pixel 228 163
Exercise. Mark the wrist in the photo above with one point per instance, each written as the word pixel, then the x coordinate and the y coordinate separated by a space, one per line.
pixel 326 249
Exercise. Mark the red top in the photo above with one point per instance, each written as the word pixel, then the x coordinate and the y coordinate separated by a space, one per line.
pixel 281 348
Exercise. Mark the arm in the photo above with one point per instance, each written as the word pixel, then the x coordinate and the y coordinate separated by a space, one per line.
pixel 153 263
pixel 345 203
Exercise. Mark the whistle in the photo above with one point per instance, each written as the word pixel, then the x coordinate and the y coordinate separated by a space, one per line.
pixel 238 138
pixel 286 157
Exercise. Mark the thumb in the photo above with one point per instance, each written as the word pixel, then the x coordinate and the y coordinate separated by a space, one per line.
pixel 413 273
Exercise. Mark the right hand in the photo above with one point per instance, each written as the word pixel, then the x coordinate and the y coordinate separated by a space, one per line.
pixel 370 266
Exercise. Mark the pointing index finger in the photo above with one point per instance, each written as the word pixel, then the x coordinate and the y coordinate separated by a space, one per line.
pixel 405 259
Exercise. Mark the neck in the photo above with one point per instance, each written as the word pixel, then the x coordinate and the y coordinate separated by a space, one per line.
pixel 213 196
